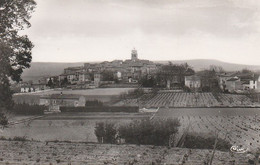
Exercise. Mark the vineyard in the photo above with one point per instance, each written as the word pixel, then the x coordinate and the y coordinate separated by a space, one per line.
pixel 238 130
pixel 181 99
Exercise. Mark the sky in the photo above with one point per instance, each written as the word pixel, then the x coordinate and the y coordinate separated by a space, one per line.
pixel 105 30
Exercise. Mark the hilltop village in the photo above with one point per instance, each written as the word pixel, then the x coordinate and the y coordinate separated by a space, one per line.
pixel 136 72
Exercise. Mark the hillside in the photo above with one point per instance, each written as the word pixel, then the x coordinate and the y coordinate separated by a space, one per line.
pixel 200 64
pixel 40 69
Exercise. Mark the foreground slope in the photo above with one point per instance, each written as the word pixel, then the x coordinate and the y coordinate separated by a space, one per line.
pixel 15 152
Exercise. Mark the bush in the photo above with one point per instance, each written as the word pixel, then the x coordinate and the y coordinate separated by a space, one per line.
pixel 3 119
pixel 105 132
pixel 149 132
pixel 136 93
pixel 94 103
pixel 27 109
pixel 200 142
pixel 18 138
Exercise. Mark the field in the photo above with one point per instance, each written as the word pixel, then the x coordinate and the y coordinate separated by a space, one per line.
pixel 92 92
pixel 67 126
pixel 101 94
pixel 182 99
pixel 98 154
pixel 232 117
pixel 240 126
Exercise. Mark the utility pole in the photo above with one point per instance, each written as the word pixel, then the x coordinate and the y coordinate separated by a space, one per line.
pixel 214 149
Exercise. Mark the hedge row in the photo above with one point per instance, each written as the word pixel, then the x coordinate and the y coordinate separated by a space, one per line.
pixel 26 109
pixel 147 132
pixel 100 109
pixel 160 132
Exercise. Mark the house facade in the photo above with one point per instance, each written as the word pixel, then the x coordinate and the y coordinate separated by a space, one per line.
pixel 54 102
pixel 193 81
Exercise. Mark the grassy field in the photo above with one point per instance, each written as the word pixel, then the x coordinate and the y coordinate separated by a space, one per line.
pixel 68 126
pixel 101 94
pixel 85 92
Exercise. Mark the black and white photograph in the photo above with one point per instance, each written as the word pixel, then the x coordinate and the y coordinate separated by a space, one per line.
pixel 129 82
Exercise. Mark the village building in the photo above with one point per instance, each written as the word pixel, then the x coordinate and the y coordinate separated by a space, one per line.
pixel 193 81
pixel 128 71
pixel 234 84
pixel 223 79
pixel 97 79
pixel 55 101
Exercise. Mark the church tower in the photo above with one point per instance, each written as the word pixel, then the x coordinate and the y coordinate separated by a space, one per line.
pixel 134 54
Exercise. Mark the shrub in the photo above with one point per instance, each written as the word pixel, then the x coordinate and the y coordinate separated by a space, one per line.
pixel 149 132
pixel 133 94
pixel 105 132
pixel 18 138
pixel 203 142
pixel 27 109
pixel 94 103
pixel 3 119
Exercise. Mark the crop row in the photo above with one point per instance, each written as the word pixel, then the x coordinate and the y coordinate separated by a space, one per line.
pixel 238 130
pixel 180 99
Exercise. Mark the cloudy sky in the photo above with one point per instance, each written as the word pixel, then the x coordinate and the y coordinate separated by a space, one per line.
pixel 98 30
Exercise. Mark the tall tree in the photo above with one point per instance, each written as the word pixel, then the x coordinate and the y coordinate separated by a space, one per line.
pixel 174 73
pixel 15 49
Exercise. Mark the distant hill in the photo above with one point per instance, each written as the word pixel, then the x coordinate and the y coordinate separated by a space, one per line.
pixel 41 69
pixel 200 64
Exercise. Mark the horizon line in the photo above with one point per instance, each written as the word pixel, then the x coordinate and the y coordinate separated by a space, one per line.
pixel 143 59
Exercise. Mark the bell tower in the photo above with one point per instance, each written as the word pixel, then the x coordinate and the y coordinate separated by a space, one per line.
pixel 134 55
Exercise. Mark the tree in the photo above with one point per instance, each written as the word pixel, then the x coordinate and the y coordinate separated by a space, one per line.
pixel 173 73
pixel 105 132
pixel 148 81
pixel 218 69
pixel 150 132
pixel 209 81
pixel 64 82
pixel 108 75
pixel 50 83
pixel 15 49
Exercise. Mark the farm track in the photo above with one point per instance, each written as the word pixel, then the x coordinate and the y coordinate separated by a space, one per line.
pixel 29 119
pixel 95 116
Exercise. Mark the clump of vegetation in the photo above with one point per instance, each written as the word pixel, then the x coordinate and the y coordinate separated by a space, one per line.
pixel 27 109
pixel 132 94
pixel 3 119
pixel 106 132
pixel 94 103
pixel 18 138
pixel 202 142
pixel 150 132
